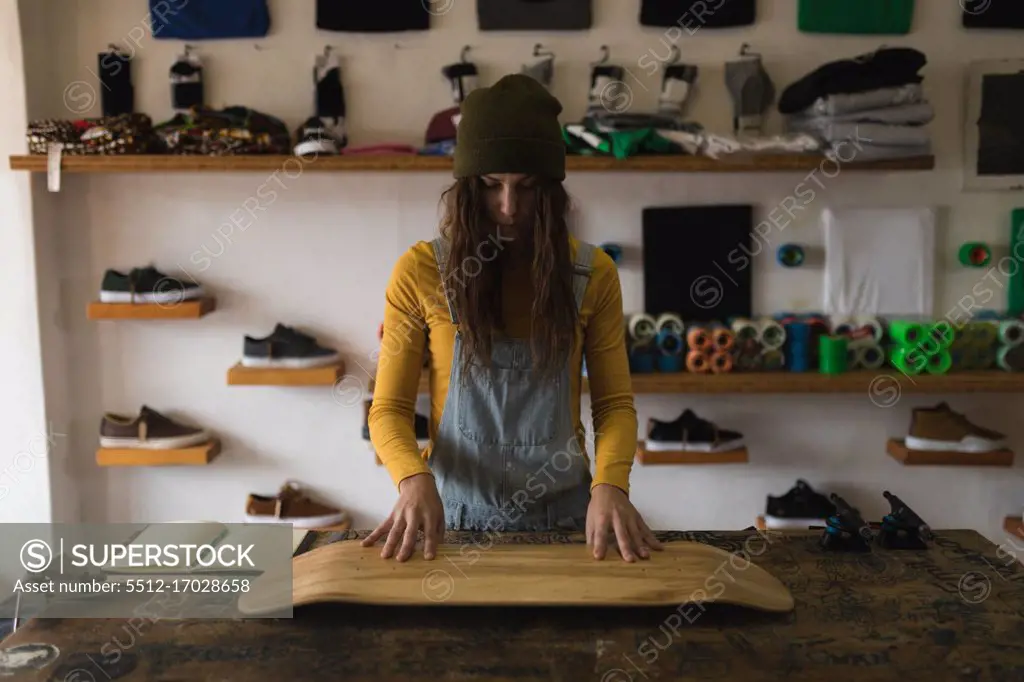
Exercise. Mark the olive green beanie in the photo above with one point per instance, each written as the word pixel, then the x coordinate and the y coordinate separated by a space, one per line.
pixel 510 127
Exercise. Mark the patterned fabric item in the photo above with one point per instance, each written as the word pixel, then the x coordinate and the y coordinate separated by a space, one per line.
pixel 110 135
pixel 229 131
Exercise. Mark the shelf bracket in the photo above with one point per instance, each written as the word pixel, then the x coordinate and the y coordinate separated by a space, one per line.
pixel 53 161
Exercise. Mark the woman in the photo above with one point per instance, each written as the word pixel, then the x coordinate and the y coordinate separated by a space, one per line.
pixel 508 305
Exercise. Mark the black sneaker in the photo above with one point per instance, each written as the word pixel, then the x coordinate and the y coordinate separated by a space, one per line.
pixel 799 508
pixel 146 285
pixel 286 347
pixel 317 137
pixel 690 433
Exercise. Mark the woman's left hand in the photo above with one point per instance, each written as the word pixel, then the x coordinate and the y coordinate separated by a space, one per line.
pixel 611 510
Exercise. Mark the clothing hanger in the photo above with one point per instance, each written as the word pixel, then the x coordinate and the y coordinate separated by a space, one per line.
pixel 746 54
pixel 537 52
pixel 605 56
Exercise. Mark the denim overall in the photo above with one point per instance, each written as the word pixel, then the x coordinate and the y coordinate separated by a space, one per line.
pixel 506 455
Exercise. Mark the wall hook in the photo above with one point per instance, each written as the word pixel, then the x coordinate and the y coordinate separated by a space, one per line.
pixel 674 55
pixel 464 53
pixel 539 52
pixel 188 51
pixel 745 51
pixel 605 55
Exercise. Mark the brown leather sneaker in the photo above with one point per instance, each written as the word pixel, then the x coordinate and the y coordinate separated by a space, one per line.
pixel 150 430
pixel 941 429
pixel 292 505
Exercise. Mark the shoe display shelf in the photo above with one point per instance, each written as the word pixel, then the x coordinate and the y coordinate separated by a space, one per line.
pixel 881 387
pixel 897 448
pixel 660 163
pixel 198 455
pixel 183 310
pixel 650 457
pixel 328 375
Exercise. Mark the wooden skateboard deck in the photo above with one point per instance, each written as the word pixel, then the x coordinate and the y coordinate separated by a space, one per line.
pixel 518 575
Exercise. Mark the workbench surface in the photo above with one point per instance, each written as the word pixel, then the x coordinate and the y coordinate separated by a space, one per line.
pixel 952 612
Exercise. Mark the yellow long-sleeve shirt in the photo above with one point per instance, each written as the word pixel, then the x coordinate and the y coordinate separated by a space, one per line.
pixel 416 319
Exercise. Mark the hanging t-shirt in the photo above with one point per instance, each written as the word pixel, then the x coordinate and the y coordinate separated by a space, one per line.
pixel 208 19
pixel 993 13
pixel 377 16
pixel 856 17
pixel 693 15
pixel 534 15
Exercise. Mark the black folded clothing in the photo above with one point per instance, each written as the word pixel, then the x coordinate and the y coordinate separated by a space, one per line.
pixel 378 16
pixel 534 15
pixel 696 14
pixel 993 13
pixel 886 68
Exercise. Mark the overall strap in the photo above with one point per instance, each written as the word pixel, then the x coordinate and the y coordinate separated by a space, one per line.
pixel 441 257
pixel 582 269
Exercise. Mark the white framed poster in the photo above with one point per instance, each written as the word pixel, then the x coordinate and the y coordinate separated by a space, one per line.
pixel 994 139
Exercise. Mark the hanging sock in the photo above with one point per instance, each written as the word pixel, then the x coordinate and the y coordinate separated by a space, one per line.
pixel 676 85
pixel 464 79
pixel 752 90
pixel 542 71
pixel 118 93
pixel 603 78
pixel 187 82
pixel 326 132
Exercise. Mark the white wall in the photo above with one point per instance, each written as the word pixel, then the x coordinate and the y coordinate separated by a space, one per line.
pixel 320 254
pixel 27 443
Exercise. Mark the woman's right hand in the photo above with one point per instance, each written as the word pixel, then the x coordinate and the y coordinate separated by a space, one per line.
pixel 418 508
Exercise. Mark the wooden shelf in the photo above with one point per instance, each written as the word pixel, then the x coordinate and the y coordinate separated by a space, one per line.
pixel 398 163
pixel 1014 525
pixel 185 310
pixel 738 456
pixel 900 452
pixel 884 387
pixel 275 376
pixel 137 457
pixel 881 387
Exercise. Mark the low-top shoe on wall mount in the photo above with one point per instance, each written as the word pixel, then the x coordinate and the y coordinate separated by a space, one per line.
pixel 147 285
pixel 940 429
pixel 149 430
pixel 292 505
pixel 690 433
pixel 799 508
pixel 288 348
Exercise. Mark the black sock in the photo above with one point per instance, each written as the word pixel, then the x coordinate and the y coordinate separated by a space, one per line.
pixel 118 94
pixel 186 83
pixel 330 96
pixel 463 77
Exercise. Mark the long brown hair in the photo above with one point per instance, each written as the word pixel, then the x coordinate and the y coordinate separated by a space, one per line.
pixel 476 247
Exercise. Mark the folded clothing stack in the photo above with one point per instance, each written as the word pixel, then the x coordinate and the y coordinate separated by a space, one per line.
pixel 866 108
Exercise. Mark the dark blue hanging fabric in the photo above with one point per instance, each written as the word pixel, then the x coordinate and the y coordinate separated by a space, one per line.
pixel 209 19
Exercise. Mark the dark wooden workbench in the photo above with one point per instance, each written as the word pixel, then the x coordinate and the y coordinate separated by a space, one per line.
pixel 953 612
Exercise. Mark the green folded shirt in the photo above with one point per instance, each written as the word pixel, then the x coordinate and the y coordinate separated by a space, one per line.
pixel 866 17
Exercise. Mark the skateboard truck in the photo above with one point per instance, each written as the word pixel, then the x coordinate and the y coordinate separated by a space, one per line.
pixel 846 530
pixel 902 528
